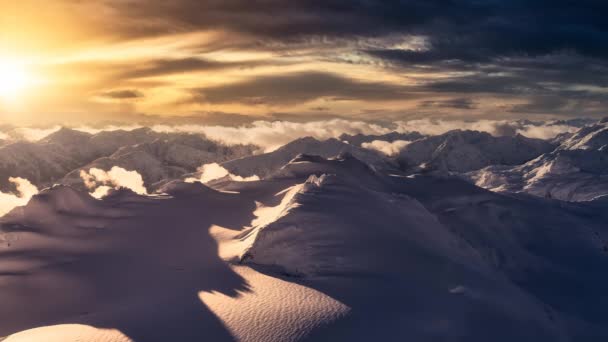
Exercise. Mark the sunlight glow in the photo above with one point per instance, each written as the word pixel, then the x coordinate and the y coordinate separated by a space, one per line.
pixel 14 78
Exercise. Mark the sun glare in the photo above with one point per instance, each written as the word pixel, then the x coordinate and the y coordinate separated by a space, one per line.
pixel 14 78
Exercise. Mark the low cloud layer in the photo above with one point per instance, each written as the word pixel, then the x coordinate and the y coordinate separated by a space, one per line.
pixel 541 130
pixel 100 182
pixel 272 134
pixel 386 147
pixel 269 135
pixel 25 191
pixel 215 171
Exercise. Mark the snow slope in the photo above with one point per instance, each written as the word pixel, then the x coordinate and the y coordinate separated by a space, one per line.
pixel 516 255
pixel 577 170
pixel 321 249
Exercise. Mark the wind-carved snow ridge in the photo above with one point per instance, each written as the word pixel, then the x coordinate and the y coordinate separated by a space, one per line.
pixel 323 226
pixel 261 240
pixel 25 191
pixel 101 182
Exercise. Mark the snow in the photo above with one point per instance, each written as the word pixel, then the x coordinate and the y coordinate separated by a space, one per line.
pixel 331 243
pixel 264 165
pixel 69 332
pixel 576 170
pixel 463 151
pixel 60 156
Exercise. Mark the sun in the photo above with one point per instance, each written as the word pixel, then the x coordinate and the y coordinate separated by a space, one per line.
pixel 14 78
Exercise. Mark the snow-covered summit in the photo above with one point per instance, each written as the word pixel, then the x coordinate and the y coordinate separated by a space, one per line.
pixel 577 170
pixel 165 158
pixel 264 165
pixel 462 151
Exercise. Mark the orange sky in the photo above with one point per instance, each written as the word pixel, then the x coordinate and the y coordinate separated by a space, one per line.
pixel 75 61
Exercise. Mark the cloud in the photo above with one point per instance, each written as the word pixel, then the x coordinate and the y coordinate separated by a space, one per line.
pixel 100 182
pixel 386 147
pixel 25 191
pixel 272 134
pixel 545 131
pixel 457 103
pixel 540 129
pixel 215 171
pixel 530 54
pixel 126 94
pixel 299 88
pixel 162 67
pixel 467 30
pixel 32 133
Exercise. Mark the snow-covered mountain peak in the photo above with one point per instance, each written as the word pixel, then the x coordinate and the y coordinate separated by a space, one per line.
pixel 592 137
pixel 466 150
pixel 267 164
pixel 66 136
pixel 577 170
pixel 345 165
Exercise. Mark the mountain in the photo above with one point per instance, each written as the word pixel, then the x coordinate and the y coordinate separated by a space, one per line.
pixel 60 156
pixel 164 158
pixel 577 170
pixel 322 249
pixel 48 160
pixel 440 243
pixel 462 151
pixel 265 164
pixel 359 139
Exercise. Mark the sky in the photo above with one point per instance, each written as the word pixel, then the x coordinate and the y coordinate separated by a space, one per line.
pixel 230 61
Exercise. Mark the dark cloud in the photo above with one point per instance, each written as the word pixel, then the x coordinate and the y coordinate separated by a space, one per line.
pixel 299 88
pixel 457 29
pixel 533 50
pixel 125 94
pixel 456 103
pixel 161 67
pixel 286 20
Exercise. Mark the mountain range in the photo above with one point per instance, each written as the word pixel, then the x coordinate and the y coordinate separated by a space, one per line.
pixel 460 236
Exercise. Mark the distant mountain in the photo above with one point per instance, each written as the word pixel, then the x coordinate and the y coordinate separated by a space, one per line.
pixel 359 139
pixel 165 158
pixel 577 170
pixel 48 160
pixel 265 164
pixel 462 151
pixel 60 156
